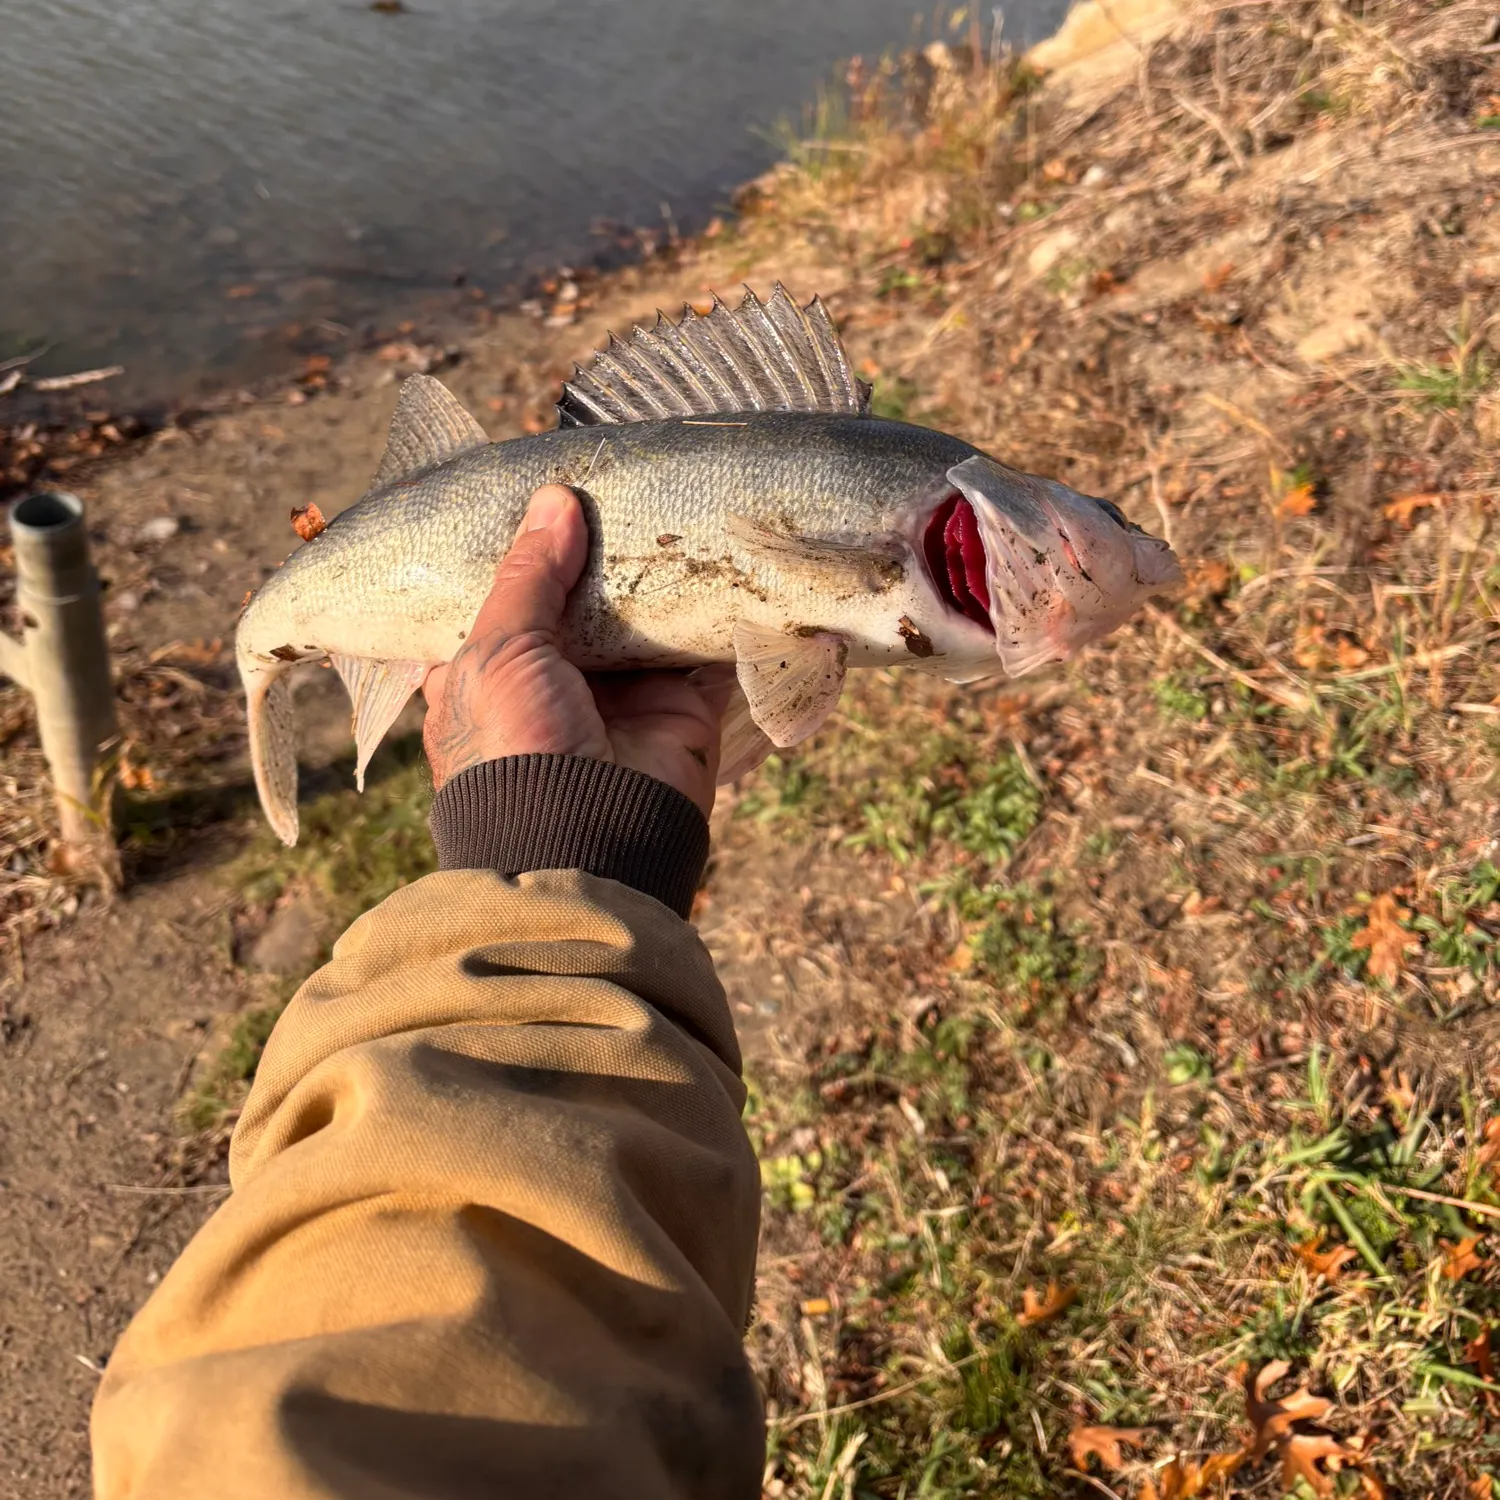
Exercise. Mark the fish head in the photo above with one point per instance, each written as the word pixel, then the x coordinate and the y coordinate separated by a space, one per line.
pixel 1045 568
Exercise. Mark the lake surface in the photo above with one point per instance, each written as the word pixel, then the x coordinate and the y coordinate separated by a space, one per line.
pixel 181 179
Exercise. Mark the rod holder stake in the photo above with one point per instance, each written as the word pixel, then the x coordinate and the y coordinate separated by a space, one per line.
pixel 63 660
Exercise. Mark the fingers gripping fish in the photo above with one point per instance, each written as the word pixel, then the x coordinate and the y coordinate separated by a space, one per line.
pixel 743 507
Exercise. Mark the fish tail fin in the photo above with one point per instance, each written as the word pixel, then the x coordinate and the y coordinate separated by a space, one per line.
pixel 273 755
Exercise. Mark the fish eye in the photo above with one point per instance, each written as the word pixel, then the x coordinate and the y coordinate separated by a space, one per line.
pixel 1113 512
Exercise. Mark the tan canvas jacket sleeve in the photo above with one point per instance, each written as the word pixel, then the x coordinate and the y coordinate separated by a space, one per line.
pixel 493 1225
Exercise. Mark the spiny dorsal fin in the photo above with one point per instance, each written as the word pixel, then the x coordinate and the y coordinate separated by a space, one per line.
pixel 429 427
pixel 762 356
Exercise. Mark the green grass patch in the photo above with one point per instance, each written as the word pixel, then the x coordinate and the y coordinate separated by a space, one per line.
pixel 354 850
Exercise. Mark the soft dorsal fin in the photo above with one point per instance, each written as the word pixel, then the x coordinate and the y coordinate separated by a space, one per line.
pixel 429 427
pixel 762 356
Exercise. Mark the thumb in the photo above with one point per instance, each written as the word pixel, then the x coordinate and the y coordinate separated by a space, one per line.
pixel 544 562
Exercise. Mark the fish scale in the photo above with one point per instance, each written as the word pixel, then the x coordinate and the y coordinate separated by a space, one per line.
pixel 791 540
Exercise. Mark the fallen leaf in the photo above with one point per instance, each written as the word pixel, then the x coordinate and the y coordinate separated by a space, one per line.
pixel 135 776
pixel 1482 1488
pixel 308 522
pixel 1104 1443
pixel 244 289
pixel 1307 646
pixel 1402 510
pixel 1271 1418
pixel 1297 501
pixel 1371 1485
pixel 816 1307
pixel 1149 1491
pixel 1037 1308
pixel 1214 281
pixel 1460 1259
pixel 1208 580
pixel 1401 1095
pixel 1387 940
pixel 1328 1264
pixel 1349 654
pixel 1182 1478
pixel 1478 1353
pixel 1489 1152
pixel 1300 1454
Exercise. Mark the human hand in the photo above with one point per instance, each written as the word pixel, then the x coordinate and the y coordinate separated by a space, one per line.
pixel 509 691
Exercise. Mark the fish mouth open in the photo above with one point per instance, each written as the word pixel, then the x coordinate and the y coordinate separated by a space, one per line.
pixel 955 556
pixel 1052 569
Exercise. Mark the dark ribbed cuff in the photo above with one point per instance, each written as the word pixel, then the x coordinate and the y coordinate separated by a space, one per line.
pixel 566 812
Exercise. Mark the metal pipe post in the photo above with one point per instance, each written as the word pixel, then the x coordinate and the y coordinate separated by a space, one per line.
pixel 64 661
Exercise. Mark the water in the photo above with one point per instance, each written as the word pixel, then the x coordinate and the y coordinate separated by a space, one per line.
pixel 180 180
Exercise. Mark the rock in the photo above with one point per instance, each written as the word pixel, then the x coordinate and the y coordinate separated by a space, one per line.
pixel 1096 176
pixel 1051 250
pixel 291 943
pixel 1328 340
pixel 157 530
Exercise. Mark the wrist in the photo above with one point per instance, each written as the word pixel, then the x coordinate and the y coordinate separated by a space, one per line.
pixel 549 812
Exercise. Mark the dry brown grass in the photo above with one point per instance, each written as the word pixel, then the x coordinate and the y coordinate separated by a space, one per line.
pixel 1250 294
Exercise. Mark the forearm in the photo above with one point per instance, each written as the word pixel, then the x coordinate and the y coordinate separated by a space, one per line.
pixel 493 1225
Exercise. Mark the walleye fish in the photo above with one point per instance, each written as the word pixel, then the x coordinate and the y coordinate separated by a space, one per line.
pixel 743 506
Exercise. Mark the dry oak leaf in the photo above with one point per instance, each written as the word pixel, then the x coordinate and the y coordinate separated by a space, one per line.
pixel 1478 1353
pixel 1182 1478
pixel 1460 1259
pixel 1489 1152
pixel 1403 508
pixel 1482 1488
pixel 1299 1460
pixel 1298 501
pixel 308 522
pixel 1388 941
pixel 1039 1308
pixel 1104 1443
pixel 1271 1418
pixel 1329 1264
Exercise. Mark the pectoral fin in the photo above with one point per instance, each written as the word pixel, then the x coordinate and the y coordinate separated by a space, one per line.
pixel 378 691
pixel 742 742
pixel 791 682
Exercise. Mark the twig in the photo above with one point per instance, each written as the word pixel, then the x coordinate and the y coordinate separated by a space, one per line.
pixel 83 377
pixel 167 1192
pixel 1244 419
pixel 20 361
pixel 1417 660
pixel 890 1395
pixel 1214 123
pixel 1484 1210
pixel 1298 703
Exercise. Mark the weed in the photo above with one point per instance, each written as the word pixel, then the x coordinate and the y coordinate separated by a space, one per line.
pixel 893 398
pixel 1178 700
pixel 1030 952
pixel 1454 382
pixel 353 851
pixel 222 1086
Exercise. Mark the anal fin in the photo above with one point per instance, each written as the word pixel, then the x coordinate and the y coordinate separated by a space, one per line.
pixel 379 691
pixel 791 682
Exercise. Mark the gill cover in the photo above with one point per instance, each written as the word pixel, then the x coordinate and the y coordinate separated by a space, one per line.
pixel 1063 568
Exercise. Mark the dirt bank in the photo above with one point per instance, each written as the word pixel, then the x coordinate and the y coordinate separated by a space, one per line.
pixel 1169 979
